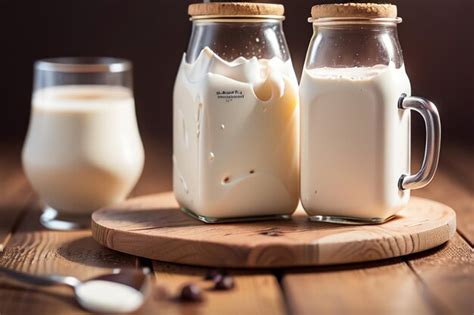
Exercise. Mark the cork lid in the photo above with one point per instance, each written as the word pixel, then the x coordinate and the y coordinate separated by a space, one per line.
pixel 354 10
pixel 235 9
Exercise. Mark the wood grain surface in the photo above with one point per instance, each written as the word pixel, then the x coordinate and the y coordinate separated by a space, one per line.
pixel 387 287
pixel 448 190
pixel 14 194
pixel 154 227
pixel 254 293
pixel 437 281
pixel 36 250
pixel 448 276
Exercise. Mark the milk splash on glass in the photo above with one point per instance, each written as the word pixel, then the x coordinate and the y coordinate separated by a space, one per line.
pixel 235 137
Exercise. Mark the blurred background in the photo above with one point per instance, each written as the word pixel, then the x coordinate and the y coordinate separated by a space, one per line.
pixel 436 37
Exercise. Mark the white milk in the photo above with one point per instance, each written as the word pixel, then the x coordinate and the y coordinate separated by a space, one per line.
pixel 83 149
pixel 108 297
pixel 354 141
pixel 235 137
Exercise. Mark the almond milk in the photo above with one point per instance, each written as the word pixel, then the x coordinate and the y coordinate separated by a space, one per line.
pixel 83 150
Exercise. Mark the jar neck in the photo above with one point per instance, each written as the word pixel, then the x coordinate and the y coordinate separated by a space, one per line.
pixel 354 44
pixel 231 38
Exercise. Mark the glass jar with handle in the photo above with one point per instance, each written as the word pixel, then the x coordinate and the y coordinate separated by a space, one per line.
pixel 355 117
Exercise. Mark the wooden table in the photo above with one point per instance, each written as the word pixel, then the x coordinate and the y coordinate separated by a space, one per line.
pixel 439 281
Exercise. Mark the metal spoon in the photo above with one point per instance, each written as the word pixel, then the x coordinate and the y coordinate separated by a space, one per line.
pixel 137 279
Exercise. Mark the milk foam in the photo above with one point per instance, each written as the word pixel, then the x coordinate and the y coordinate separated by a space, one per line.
pixel 236 142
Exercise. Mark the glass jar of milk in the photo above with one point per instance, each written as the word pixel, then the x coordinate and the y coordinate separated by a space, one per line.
pixel 236 116
pixel 355 122
pixel 83 149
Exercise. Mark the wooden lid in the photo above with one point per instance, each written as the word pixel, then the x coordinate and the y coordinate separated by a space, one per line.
pixel 235 9
pixel 359 10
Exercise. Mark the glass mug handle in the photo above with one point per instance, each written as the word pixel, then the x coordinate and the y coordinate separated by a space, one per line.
pixel 430 115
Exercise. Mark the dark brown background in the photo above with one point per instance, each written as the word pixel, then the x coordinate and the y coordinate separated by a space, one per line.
pixel 436 36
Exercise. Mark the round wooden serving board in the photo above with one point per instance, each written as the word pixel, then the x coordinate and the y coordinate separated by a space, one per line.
pixel 154 227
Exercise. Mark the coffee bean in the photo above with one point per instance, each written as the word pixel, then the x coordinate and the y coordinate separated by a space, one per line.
pixel 191 293
pixel 224 283
pixel 212 274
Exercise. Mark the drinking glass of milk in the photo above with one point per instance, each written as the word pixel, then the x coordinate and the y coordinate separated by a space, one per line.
pixel 355 117
pixel 83 148
pixel 236 116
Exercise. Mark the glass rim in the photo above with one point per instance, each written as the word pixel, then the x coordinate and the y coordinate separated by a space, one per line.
pixel 84 64
pixel 354 20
